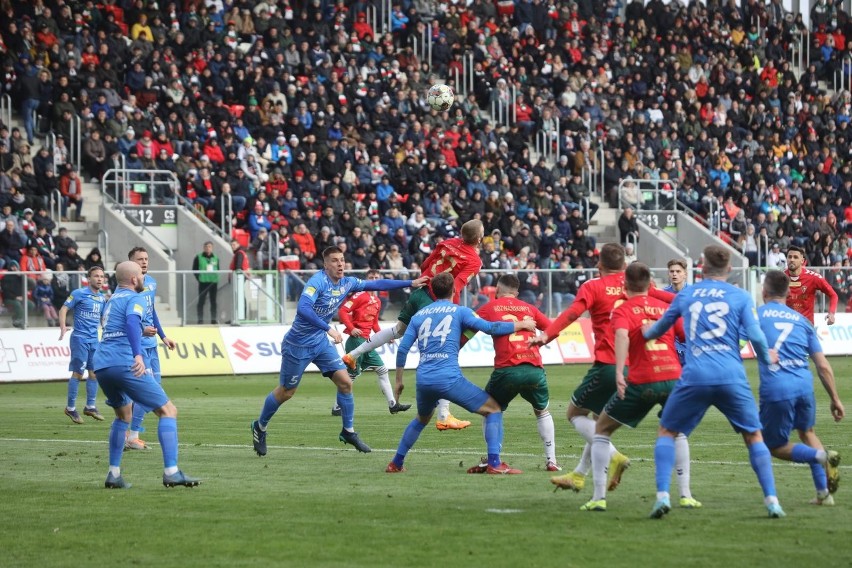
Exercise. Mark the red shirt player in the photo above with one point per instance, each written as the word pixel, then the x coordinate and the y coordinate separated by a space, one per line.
pixel 654 367
pixel 804 285
pixel 460 257
pixel 599 297
pixel 360 317
pixel 518 368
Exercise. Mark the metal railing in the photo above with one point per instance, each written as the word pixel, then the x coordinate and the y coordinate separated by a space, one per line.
pixel 843 75
pixel 651 194
pixel 131 187
pixel 55 204
pixel 422 44
pixel 6 110
pixel 103 245
pixel 227 214
pixel 75 145
pixel 547 141
pixel 270 297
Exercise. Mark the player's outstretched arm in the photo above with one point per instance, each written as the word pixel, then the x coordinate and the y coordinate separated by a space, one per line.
pixel 662 325
pixel 386 284
pixel 826 377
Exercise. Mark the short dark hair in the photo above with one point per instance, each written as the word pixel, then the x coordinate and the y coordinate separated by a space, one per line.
pixel 373 271
pixel 328 251
pixel 443 286
pixel 776 284
pixel 637 277
pixel 612 256
pixel 93 269
pixel 509 281
pixel 716 260
pixel 134 250
pixel 794 248
pixel 677 262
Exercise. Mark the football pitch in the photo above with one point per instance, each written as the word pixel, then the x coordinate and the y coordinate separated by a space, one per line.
pixel 313 502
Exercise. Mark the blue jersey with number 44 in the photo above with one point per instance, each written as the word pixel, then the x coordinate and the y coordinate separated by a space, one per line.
pixel 795 339
pixel 437 329
pixel 713 314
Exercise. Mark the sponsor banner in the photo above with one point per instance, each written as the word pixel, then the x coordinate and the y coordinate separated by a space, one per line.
pixel 576 342
pixel 34 355
pixel 199 351
pixel 835 339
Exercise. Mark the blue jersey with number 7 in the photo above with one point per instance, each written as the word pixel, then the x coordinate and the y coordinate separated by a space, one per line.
pixel 437 329
pixel 714 313
pixel 792 335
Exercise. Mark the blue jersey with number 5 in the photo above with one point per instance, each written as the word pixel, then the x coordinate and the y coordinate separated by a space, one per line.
pixel 713 314
pixel 437 329
pixel 795 339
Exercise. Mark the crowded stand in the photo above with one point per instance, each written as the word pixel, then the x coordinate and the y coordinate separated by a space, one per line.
pixel 302 119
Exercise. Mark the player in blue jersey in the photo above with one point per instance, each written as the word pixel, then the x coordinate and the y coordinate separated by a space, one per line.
pixel 152 329
pixel 715 314
pixel 787 389
pixel 125 378
pixel 86 304
pixel 437 329
pixel 307 342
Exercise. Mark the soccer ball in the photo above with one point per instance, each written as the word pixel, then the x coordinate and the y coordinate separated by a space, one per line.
pixel 440 97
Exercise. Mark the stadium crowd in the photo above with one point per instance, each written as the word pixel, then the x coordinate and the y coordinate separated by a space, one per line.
pixel 316 124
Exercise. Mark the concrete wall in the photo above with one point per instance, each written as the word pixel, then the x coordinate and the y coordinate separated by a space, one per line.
pixel 192 234
pixel 123 236
pixel 655 248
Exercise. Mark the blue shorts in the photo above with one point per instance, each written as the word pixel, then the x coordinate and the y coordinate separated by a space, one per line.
pixel 296 358
pixel 687 404
pixel 121 388
pixel 781 417
pixel 152 361
pixel 82 356
pixel 459 390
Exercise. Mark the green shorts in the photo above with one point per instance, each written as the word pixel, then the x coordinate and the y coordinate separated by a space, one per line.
pixel 526 380
pixel 418 300
pixel 596 389
pixel 366 362
pixel 638 401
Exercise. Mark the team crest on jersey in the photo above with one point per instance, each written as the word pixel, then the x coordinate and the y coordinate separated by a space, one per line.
pixel 336 292
pixel 310 290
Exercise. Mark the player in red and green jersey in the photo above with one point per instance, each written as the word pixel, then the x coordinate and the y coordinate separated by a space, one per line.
pixel 459 257
pixel 654 368
pixel 518 369
pixel 360 318
pixel 804 284
pixel 599 297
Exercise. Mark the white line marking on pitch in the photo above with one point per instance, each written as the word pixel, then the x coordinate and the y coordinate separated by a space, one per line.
pixel 448 451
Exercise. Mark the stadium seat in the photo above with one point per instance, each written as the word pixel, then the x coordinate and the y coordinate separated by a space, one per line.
pixel 242 237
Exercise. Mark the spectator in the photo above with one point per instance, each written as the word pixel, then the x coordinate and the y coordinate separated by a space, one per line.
pixel 258 220
pixel 72 261
pixel 12 240
pixel 13 285
pixel 93 259
pixel 206 266
pixel 71 187
pixel 43 297
pixel 628 227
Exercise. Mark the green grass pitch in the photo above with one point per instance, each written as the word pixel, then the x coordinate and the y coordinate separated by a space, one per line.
pixel 313 502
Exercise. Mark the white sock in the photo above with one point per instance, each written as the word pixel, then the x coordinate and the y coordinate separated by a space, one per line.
pixel 70 408
pixel 132 435
pixel 772 499
pixel 682 465
pixel 585 426
pixel 585 461
pixel 336 406
pixel 821 455
pixel 600 465
pixel 384 384
pixel 115 471
pixel 379 338
pixel 548 433
pixel 171 470
pixel 662 495
pixel 443 409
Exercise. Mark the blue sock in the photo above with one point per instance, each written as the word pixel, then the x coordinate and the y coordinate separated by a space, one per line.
pixel 347 409
pixel 761 463
pixel 804 454
pixel 494 437
pixel 409 438
pixel 116 441
pixel 138 416
pixel 91 393
pixel 73 386
pixel 819 476
pixel 270 407
pixel 664 459
pixel 167 434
